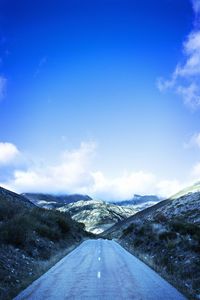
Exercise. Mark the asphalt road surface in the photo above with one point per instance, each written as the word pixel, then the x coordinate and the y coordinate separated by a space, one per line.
pixel 100 269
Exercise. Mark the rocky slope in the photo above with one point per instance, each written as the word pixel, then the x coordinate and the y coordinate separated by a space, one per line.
pixel 54 201
pixel 167 237
pixel 97 215
pixel 31 240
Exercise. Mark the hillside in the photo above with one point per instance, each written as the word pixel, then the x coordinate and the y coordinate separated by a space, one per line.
pixel 167 237
pixel 54 201
pixel 31 240
pixel 14 198
pixel 97 215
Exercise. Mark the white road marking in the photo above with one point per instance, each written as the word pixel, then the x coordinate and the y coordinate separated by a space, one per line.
pixel 99 258
pixel 99 275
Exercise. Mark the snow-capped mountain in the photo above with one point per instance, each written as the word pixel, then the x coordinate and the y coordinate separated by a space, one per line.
pixel 97 215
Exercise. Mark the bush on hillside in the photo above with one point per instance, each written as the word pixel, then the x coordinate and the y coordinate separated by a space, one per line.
pixel 185 228
pixel 20 229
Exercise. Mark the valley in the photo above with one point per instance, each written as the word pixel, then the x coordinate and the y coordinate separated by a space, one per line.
pixel 37 230
pixel 100 150
pixel 96 215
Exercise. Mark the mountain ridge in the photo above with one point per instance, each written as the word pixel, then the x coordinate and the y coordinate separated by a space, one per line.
pixel 53 200
pixel 139 200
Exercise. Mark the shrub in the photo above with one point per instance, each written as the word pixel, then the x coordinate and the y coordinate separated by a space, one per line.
pixel 44 251
pixel 32 228
pixel 185 228
pixel 195 248
pixel 62 223
pixel 51 224
pixel 167 235
pixel 16 231
pixel 171 244
pixel 129 229
pixel 160 218
pixel 138 241
pixel 48 232
pixel 7 211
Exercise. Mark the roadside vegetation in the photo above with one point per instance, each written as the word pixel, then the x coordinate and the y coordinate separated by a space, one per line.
pixel 32 239
pixel 169 246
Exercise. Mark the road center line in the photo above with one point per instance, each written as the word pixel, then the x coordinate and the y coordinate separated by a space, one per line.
pixel 99 275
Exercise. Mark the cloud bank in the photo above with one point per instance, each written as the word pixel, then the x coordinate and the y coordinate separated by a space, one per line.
pixel 74 173
pixel 185 79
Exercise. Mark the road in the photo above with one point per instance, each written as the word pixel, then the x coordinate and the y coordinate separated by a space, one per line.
pixel 100 269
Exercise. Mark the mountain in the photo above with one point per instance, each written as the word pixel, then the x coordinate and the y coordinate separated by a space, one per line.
pixel 32 239
pixel 139 202
pixel 138 199
pixel 166 236
pixel 97 215
pixel 54 201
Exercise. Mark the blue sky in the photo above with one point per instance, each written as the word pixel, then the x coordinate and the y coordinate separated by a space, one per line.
pixel 99 97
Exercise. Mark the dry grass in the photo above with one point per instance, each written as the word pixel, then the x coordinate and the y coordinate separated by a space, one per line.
pixel 171 248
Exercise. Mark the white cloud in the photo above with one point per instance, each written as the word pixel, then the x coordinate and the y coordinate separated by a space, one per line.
pixel 185 79
pixel 194 141
pixel 190 94
pixel 196 6
pixel 3 83
pixel 191 49
pixel 196 172
pixel 70 174
pixel 130 183
pixel 8 153
pixel 124 186
pixel 163 84
pixel 169 187
pixel 74 173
